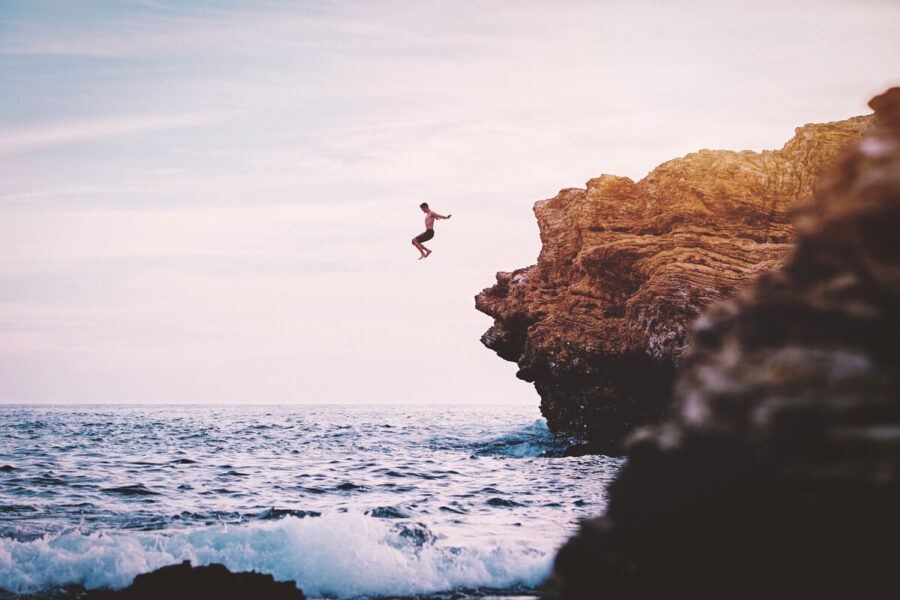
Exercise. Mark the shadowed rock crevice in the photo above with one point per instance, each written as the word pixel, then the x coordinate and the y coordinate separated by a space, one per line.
pixel 600 322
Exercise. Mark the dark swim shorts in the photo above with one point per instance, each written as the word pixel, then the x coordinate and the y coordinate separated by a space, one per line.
pixel 424 237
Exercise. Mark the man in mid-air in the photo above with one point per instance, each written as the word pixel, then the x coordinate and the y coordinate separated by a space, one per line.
pixel 430 216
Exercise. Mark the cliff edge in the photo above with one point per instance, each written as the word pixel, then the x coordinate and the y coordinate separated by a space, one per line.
pixel 599 323
pixel 777 474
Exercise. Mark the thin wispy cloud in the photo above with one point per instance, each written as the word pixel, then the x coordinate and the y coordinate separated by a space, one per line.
pixel 176 173
pixel 22 139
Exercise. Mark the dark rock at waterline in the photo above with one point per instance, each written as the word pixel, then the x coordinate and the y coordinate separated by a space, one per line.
pixel 216 582
pixel 777 473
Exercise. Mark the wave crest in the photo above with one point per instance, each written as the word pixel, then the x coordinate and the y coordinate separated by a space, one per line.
pixel 339 555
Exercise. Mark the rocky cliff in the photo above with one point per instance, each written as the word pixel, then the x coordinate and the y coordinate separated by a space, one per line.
pixel 599 323
pixel 777 474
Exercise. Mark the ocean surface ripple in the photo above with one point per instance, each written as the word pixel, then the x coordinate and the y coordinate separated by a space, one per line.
pixel 348 501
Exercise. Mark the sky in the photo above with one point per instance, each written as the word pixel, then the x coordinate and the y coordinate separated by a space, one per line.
pixel 212 202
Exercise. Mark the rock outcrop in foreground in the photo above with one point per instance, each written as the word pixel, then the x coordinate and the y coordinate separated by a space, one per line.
pixel 598 324
pixel 778 473
pixel 213 582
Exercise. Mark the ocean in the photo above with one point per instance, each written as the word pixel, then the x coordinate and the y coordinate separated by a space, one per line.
pixel 348 501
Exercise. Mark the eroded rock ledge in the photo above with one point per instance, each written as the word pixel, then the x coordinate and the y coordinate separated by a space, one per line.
pixel 599 323
pixel 777 474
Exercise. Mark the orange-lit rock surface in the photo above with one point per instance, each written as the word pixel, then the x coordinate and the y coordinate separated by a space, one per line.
pixel 777 474
pixel 599 322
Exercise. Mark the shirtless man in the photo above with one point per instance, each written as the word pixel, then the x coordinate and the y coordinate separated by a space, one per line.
pixel 430 216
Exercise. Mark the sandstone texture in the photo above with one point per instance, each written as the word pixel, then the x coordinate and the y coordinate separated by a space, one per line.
pixel 599 323
pixel 777 474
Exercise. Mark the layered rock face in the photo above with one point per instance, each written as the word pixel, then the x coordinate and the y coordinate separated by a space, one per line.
pixel 599 323
pixel 778 472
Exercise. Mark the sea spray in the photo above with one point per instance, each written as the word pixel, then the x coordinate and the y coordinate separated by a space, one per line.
pixel 346 501
pixel 339 555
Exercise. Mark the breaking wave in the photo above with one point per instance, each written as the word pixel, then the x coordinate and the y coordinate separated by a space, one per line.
pixel 341 555
pixel 532 440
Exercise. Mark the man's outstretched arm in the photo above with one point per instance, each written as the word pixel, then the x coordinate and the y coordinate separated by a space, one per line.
pixel 437 216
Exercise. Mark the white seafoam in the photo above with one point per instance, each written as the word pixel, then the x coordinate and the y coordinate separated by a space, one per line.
pixel 338 555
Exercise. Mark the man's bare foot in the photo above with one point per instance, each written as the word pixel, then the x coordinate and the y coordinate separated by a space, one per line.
pixel 423 256
pixel 427 253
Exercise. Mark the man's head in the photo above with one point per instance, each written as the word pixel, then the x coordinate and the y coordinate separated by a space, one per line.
pixel 424 206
